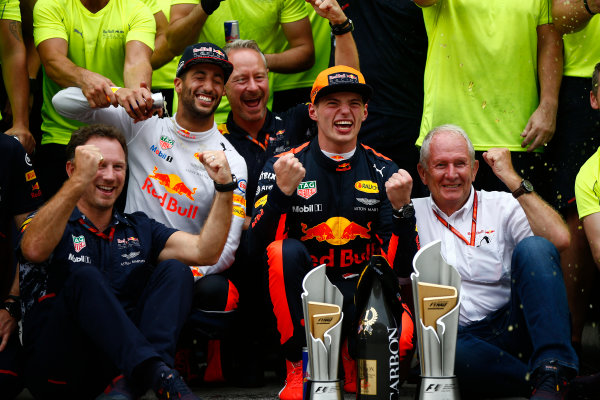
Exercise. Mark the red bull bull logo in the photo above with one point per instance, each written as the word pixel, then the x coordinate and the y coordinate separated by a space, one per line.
pixel 336 231
pixel 173 184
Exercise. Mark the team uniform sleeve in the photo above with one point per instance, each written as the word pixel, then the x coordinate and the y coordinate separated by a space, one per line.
pixel 293 10
pixel 48 21
pixel 270 205
pixel 545 15
pixel 71 103
pixel 152 5
pixel 237 222
pixel 9 9
pixel 587 188
pixel 398 236
pixel 142 26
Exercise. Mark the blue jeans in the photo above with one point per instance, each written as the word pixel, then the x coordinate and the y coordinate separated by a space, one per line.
pixel 494 356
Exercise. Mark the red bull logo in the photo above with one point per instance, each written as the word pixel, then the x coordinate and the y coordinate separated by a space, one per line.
pixel 344 258
pixel 172 183
pixel 320 232
pixel 336 231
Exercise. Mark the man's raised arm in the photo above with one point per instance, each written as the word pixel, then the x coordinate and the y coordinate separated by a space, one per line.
pixel 346 52
pixel 46 229
pixel 543 219
pixel 206 247
pixel 186 23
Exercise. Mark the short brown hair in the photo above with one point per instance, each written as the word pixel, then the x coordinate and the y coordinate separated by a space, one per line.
pixel 85 133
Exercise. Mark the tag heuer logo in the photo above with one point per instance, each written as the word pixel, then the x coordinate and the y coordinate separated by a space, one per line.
pixel 307 189
pixel 166 142
pixel 78 243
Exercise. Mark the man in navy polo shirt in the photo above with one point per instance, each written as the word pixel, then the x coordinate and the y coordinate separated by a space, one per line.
pixel 106 293
pixel 19 195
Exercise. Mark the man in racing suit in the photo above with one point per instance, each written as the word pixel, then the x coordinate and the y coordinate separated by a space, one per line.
pixel 330 202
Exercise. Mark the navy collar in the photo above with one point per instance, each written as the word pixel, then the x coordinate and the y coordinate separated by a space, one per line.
pixel 116 218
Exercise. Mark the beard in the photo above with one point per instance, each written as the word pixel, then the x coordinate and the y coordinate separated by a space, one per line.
pixel 188 104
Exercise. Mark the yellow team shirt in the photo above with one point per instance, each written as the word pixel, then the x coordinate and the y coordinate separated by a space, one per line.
pixel 9 9
pixel 587 186
pixel 582 50
pixel 96 42
pixel 481 71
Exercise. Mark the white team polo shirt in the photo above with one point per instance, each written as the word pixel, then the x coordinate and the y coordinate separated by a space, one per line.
pixel 484 267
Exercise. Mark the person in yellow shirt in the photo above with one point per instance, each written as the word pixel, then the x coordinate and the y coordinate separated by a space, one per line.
pixel 94 45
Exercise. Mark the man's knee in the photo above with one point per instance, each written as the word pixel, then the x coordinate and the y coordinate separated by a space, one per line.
pixel 215 293
pixel 175 272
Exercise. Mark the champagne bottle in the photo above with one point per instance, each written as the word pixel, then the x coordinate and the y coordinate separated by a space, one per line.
pixel 378 348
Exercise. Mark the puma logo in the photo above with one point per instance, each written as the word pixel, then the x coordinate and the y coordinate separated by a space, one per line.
pixel 76 31
pixel 379 170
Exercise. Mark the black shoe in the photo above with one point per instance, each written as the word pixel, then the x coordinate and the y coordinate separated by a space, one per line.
pixel 172 386
pixel 119 389
pixel 551 381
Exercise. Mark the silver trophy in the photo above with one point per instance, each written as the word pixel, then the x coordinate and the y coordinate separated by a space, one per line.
pixel 322 306
pixel 436 292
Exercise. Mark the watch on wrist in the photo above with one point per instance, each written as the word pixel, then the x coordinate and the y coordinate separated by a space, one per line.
pixel 227 187
pixel 13 307
pixel 524 187
pixel 405 212
pixel 344 27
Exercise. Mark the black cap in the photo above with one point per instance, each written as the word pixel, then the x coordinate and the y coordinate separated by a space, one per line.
pixel 204 53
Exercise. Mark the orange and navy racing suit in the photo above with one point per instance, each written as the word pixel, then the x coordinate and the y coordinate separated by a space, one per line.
pixel 339 216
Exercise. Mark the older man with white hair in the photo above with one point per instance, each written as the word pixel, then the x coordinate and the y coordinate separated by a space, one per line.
pixel 514 317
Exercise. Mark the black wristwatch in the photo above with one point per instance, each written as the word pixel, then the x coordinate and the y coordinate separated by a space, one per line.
pixel 344 27
pixel 405 212
pixel 227 187
pixel 524 187
pixel 13 307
